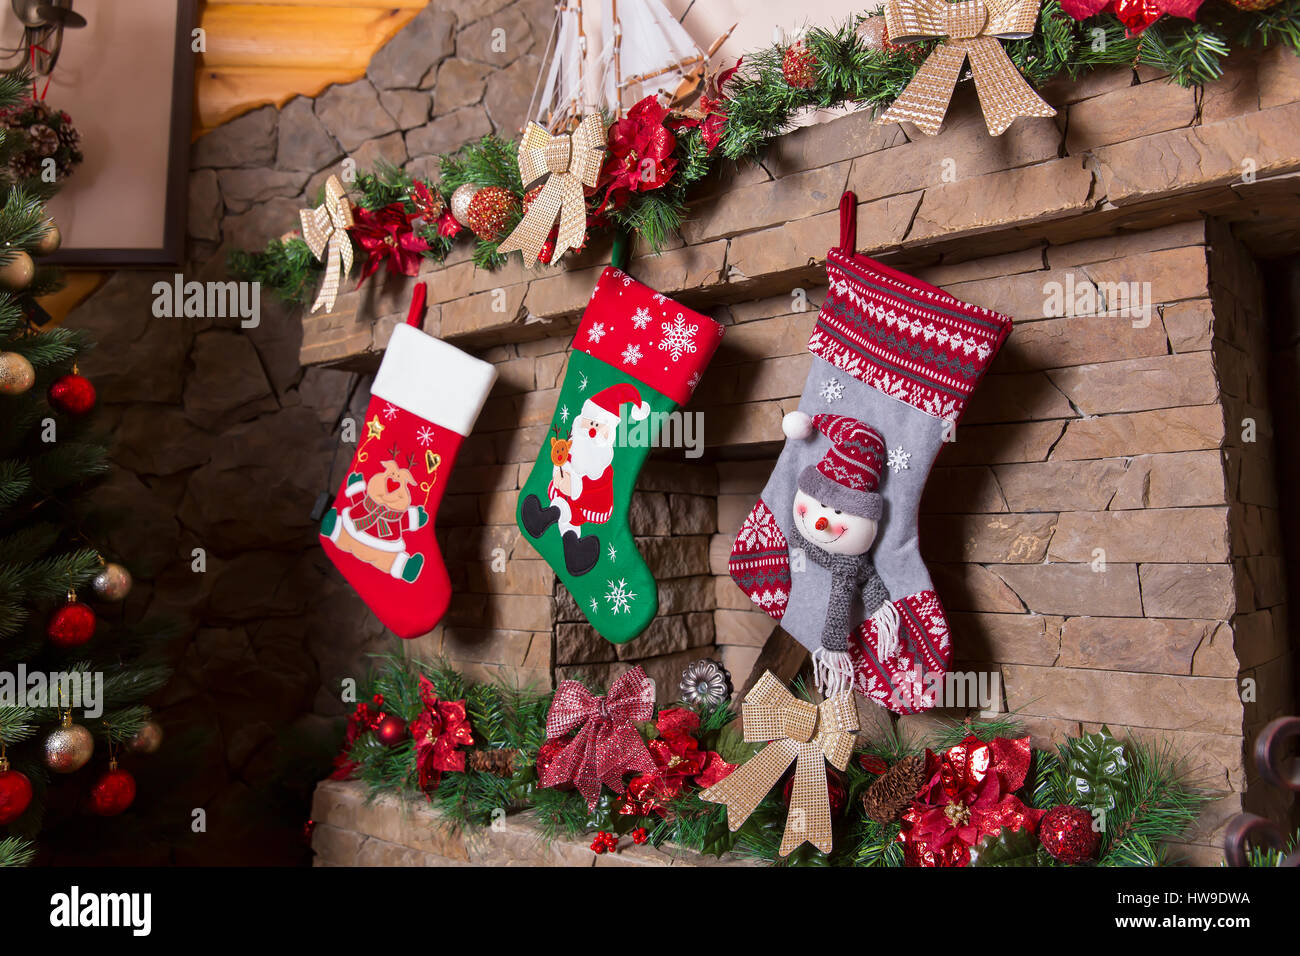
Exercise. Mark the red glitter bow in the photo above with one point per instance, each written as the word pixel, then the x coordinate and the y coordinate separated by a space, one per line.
pixel 969 794
pixel 607 746
pixel 439 731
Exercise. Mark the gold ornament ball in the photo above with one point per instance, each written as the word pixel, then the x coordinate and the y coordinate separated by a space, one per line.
pixel 489 211
pixel 460 201
pixel 49 242
pixel 68 748
pixel 112 583
pixel 16 374
pixel 17 273
pixel 147 739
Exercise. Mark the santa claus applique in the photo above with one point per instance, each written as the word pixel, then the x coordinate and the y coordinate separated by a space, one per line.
pixel 581 490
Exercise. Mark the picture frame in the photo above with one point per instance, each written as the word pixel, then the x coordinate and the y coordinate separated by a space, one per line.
pixel 127 81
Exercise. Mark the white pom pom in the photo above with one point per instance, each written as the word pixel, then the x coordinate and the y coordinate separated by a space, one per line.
pixel 640 411
pixel 797 425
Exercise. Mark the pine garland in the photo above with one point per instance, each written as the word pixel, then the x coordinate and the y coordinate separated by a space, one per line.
pixel 1151 801
pixel 760 105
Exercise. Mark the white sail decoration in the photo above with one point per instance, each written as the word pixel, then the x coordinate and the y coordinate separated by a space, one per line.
pixel 610 59
pixel 645 50
pixel 564 96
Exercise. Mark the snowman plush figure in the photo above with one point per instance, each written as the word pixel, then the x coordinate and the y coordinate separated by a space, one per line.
pixel 836 515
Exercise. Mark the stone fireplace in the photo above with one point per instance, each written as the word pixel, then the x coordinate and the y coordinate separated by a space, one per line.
pixel 1105 532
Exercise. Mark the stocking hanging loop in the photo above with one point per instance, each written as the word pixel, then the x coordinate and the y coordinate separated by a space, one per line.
pixel 849 223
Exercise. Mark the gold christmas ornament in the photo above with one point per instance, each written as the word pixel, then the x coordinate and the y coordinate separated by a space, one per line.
pixel 50 241
pixel 460 200
pixel 147 739
pixel 16 374
pixel 68 747
pixel 872 33
pixel 112 583
pixel 974 29
pixel 568 163
pixel 17 273
pixel 325 230
pixel 807 735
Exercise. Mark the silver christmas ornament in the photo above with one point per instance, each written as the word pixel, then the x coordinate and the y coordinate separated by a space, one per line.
pixel 460 201
pixel 147 739
pixel 68 747
pixel 112 583
pixel 705 683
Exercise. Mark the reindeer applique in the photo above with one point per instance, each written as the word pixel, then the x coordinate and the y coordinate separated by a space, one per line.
pixel 373 528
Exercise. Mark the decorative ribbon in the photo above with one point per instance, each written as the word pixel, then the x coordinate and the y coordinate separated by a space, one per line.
pixel 607 746
pixel 971 28
pixel 800 733
pixel 325 230
pixel 573 161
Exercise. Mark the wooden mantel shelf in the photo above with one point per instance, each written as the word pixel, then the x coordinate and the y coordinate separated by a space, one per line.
pixel 1119 157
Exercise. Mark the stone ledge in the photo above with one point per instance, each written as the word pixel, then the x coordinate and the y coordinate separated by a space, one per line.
pixel 352 830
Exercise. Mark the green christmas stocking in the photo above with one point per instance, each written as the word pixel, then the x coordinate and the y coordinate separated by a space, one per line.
pixel 637 356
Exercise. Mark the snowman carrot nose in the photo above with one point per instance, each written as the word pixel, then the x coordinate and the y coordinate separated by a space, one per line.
pixel 821 524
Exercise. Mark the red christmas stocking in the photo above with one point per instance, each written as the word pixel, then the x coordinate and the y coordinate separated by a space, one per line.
pixel 830 549
pixel 424 401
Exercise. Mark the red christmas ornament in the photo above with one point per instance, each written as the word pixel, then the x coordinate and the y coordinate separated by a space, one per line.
pixel 1066 832
pixel 391 730
pixel 112 793
pixel 872 764
pixel 15 793
pixel 72 394
pixel 548 250
pixel 489 211
pixel 71 625
pixel 799 67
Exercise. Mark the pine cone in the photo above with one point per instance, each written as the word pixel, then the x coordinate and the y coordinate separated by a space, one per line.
pixel 500 763
pixel 70 136
pixel 25 165
pixel 892 793
pixel 43 139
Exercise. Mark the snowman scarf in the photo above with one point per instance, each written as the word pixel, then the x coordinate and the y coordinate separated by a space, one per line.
pixel 851 574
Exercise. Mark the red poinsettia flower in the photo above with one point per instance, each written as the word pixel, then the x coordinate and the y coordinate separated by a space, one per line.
pixel 440 730
pixel 638 153
pixel 680 760
pixel 712 99
pixel 970 795
pixel 427 202
pixel 387 236
pixel 1136 15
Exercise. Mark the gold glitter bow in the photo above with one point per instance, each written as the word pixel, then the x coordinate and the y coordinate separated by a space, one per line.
pixel 325 230
pixel 972 28
pixel 573 161
pixel 801 733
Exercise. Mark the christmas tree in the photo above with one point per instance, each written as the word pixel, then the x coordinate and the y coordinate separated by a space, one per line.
pixel 71 683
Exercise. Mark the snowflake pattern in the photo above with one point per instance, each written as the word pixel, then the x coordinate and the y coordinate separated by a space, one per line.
pixel 618 597
pixel 693 382
pixel 760 531
pixel 898 459
pixel 613 554
pixel 832 391
pixel 641 318
pixel 678 337
pixel 632 355
pixel 595 606
pixel 596 332
pixel 564 414
pixel 582 382
pixel 390 412
pixel 425 436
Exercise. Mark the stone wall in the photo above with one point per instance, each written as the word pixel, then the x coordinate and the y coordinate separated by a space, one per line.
pixel 1100 533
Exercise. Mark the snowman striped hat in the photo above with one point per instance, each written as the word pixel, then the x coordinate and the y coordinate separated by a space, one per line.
pixel 848 475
